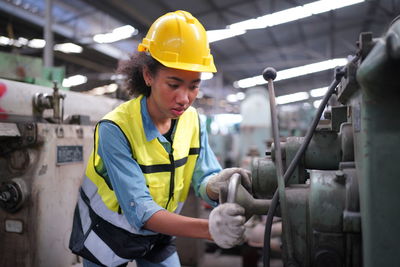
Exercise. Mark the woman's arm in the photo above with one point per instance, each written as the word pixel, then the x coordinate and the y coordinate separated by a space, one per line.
pixel 169 223
pixel 206 166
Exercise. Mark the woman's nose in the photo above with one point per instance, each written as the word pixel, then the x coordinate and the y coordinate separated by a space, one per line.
pixel 182 97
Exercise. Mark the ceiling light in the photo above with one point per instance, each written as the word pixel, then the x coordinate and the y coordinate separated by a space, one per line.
pixel 206 75
pixel 318 92
pixel 319 7
pixel 23 41
pixel 232 98
pixel 37 43
pixel 117 34
pixel 5 41
pixel 292 72
pixel 279 17
pixel 240 96
pixel 280 100
pixel 74 81
pixel 216 35
pixel 68 48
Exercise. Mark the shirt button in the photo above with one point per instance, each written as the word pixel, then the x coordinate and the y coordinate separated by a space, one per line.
pixel 132 203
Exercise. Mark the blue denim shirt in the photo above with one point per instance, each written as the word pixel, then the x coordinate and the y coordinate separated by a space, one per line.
pixel 127 178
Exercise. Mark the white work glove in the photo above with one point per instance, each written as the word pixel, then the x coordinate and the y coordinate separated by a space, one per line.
pixel 222 179
pixel 226 225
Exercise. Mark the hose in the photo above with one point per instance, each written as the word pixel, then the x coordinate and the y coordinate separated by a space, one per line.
pixel 339 72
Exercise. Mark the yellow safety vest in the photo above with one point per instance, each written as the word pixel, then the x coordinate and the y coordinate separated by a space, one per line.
pixel 168 175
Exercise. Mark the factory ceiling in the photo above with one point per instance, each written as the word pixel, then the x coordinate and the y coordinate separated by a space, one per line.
pixel 279 40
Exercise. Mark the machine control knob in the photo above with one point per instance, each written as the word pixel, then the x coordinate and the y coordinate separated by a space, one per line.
pixel 12 194
pixel 269 73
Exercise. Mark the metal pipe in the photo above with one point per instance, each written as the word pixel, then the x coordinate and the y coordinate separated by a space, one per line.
pixel 48 35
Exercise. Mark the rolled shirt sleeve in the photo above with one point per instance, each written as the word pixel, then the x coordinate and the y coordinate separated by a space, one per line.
pixel 126 177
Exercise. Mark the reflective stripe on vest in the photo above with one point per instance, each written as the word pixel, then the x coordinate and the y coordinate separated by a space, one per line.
pixel 168 176
pixel 102 242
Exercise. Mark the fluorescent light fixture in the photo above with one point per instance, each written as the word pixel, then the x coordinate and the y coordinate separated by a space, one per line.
pixel 23 41
pixel 206 76
pixel 322 6
pixel 37 43
pixel 216 35
pixel 318 92
pixel 285 99
pixel 280 17
pixel 292 14
pixel 292 72
pixel 240 96
pixel 68 48
pixel 74 80
pixel 232 98
pixel 117 34
pixel 5 41
pixel 316 103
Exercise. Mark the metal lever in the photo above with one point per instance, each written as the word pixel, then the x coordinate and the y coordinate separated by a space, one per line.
pixel 269 75
pixel 236 193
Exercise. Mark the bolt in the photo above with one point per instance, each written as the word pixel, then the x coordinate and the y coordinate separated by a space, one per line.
pixel 29 126
pixel 328 115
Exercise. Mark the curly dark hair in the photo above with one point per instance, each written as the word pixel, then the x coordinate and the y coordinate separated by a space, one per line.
pixel 132 70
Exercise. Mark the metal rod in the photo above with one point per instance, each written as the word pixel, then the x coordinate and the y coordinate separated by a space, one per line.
pixel 279 166
pixel 339 72
pixel 48 35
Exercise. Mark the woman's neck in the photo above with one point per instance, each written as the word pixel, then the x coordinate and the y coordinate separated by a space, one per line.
pixel 162 123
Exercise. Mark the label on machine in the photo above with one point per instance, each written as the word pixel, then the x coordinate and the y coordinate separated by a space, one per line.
pixel 69 154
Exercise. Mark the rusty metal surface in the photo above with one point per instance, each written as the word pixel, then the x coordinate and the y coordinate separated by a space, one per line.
pixel 47 213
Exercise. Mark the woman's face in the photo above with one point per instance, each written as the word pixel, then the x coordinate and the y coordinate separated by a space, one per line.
pixel 172 91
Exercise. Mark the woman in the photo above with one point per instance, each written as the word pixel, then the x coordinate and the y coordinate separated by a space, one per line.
pixel 147 153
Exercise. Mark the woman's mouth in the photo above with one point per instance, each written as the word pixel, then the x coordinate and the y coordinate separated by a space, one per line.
pixel 177 112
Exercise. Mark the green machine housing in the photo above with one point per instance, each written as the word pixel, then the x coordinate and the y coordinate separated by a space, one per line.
pixel 342 198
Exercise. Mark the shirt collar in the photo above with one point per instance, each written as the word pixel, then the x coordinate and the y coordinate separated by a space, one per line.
pixel 150 129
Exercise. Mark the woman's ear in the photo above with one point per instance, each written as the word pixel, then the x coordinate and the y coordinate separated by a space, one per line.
pixel 147 76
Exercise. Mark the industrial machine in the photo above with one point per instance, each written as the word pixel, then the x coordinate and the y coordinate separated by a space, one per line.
pixel 339 204
pixel 45 139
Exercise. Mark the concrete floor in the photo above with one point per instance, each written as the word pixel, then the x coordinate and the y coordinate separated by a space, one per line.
pixel 218 260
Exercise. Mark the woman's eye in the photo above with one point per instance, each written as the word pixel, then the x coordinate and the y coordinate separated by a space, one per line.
pixel 173 85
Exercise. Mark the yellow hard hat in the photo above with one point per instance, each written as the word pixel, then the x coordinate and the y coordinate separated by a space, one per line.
pixel 178 40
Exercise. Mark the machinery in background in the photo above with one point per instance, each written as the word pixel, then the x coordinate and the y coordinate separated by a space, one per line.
pixel 29 69
pixel 341 199
pixel 255 127
pixel 45 139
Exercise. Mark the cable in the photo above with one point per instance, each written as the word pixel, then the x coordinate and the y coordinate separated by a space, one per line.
pixel 339 72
